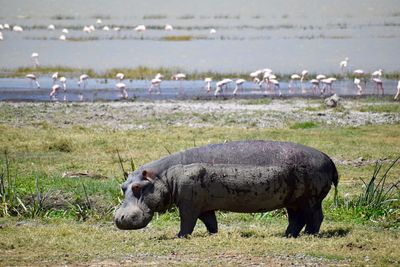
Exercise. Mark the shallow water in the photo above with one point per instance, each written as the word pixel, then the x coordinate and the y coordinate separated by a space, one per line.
pixel 18 89
pixel 287 36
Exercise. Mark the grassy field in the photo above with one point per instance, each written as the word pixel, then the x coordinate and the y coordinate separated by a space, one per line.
pixel 52 217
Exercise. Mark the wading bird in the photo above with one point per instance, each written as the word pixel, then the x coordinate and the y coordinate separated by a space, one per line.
pixel 122 88
pixel 54 77
pixel 51 27
pixel 62 37
pixel 315 86
pixel 179 77
pixel 32 79
pixel 155 85
pixel 63 81
pixel 397 96
pixel 357 83
pixel 343 65
pixel 207 85
pixel 378 85
pixel 292 83
pixel 17 28
pixel 169 27
pixel 120 76
pixel 54 91
pixel 35 58
pixel 239 84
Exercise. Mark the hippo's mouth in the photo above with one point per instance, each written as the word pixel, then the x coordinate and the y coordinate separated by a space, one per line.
pixel 132 218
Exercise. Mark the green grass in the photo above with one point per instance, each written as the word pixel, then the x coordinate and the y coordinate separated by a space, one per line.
pixel 69 220
pixel 177 38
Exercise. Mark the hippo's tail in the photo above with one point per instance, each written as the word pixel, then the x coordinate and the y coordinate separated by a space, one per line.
pixel 335 181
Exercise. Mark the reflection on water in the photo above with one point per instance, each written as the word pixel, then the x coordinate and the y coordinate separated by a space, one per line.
pixel 287 36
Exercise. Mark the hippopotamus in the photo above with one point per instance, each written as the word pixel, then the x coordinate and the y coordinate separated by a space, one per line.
pixel 239 176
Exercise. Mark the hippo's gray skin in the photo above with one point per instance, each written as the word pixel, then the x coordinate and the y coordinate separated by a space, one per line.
pixel 243 176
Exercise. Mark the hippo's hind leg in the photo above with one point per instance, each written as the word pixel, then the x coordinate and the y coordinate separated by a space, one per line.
pixel 314 218
pixel 297 221
pixel 209 219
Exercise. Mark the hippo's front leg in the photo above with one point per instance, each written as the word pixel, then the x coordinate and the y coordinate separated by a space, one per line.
pixel 188 215
pixel 210 220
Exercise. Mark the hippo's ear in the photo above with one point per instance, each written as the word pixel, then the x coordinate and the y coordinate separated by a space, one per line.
pixel 149 175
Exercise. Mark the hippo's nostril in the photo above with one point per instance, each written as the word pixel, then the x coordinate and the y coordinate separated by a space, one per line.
pixel 122 217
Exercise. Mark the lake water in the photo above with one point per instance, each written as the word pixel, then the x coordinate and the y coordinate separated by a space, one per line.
pixel 284 35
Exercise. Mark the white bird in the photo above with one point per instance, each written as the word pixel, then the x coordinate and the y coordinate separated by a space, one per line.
pixel 357 83
pixel 378 85
pixel 159 76
pixel 155 84
pixel 54 77
pixel 213 31
pixel 62 37
pixel 51 27
pixel 397 96
pixel 106 28
pixel 99 21
pixel 117 29
pixel 239 84
pixel 87 29
pixel 276 85
pixel 304 74
pixel 1 27
pixel 179 77
pixel 63 81
pixel 168 27
pixel 320 77
pixel 54 90
pixel 122 89
pixel 315 85
pixel 17 28
pixel 1 36
pixel 377 73
pixel 358 72
pixel 35 58
pixel 33 79
pixel 65 31
pixel 208 81
pixel 293 79
pixel 6 26
pixel 120 76
pixel 220 86
pixel 83 80
pixel 343 65
pixel 327 84
pixel 92 28
pixel 140 28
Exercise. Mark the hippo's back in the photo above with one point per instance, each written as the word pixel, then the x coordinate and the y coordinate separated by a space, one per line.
pixel 256 153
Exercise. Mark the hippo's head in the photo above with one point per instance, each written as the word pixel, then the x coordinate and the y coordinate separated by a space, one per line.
pixel 140 196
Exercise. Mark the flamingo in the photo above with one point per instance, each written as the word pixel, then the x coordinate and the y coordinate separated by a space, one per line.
pixel 6 26
pixel 343 65
pixel 168 27
pixel 51 27
pixel 220 84
pixel 1 27
pixel 360 74
pixel 35 58
pixel 83 79
pixel 304 75
pixel 87 29
pixel 106 28
pixel 99 21
pixel 141 29
pixel 122 88
pixel 120 76
pixel 357 83
pixel 327 84
pixel 213 31
pixel 17 28
pixel 208 81
pixel 397 96
pixel 1 36
pixel 239 84
pixel 117 29
pixel 62 37
pixel 293 79
pixel 378 85
pixel 155 84
pixel 33 79
pixel 65 31
pixel 179 77
pixel 377 73
pixel 54 77
pixel 315 85
pixel 63 81
pixel 276 85
pixel 54 91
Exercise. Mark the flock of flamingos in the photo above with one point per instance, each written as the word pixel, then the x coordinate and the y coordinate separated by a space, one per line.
pixel 263 78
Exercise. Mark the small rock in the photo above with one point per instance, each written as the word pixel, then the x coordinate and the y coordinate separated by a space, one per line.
pixel 332 101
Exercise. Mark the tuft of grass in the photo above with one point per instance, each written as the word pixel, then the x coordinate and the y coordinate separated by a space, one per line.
pixel 257 101
pixel 390 108
pixel 61 145
pixel 304 125
pixel 177 38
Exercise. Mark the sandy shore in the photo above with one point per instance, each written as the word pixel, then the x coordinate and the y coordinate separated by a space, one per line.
pixel 274 113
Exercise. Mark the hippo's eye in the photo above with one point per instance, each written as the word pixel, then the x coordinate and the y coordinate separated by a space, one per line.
pixel 136 190
pixel 123 188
